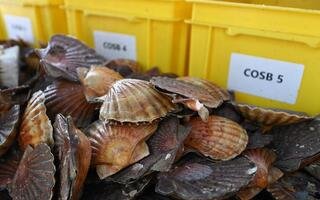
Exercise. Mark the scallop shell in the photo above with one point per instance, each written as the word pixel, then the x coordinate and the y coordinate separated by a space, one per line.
pixel 249 193
pixel 73 155
pixel 131 100
pixel 295 144
pixel 9 66
pixel 193 93
pixel 35 127
pixel 258 140
pixel 97 81
pixel 219 138
pixel 64 55
pixel 9 119
pixel 124 66
pixel 292 186
pixel 165 145
pixel 34 178
pixel 205 179
pixel 68 99
pixel 114 146
pixel 263 158
pixel 17 95
pixel 270 117
pixel 314 169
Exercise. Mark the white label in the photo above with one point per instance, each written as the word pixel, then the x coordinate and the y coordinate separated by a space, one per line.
pixel 19 28
pixel 115 45
pixel 272 79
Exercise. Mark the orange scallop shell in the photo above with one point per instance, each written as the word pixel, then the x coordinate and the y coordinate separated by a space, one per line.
pixel 219 138
pixel 9 118
pixel 270 117
pixel 97 80
pixel 67 98
pixel 117 146
pixel 131 100
pixel 35 127
pixel 73 155
pixel 263 158
pixel 34 178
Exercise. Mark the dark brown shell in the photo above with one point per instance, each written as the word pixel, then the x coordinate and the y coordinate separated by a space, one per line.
pixel 35 127
pixel 64 55
pixel 68 99
pixel 165 145
pixel 219 138
pixel 117 146
pixel 205 179
pixel 294 186
pixel 123 66
pixel 8 168
pixel 34 178
pixel 296 145
pixel 314 169
pixel 17 95
pixel 270 117
pixel 206 92
pixel 9 66
pixel 73 155
pixel 97 81
pixel 259 140
pixel 9 119
pixel 131 100
pixel 263 158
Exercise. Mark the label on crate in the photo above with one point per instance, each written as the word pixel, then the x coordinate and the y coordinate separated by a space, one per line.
pixel 115 45
pixel 19 28
pixel 268 78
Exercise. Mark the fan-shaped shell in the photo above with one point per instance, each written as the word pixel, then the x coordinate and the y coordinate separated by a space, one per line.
pixel 270 117
pixel 68 99
pixel 263 158
pixel 114 147
pixel 73 155
pixel 295 144
pixel 64 55
pixel 206 92
pixel 97 80
pixel 35 127
pixel 8 168
pixel 131 100
pixel 165 145
pixel 34 178
pixel 9 119
pixel 205 179
pixel 9 67
pixel 219 138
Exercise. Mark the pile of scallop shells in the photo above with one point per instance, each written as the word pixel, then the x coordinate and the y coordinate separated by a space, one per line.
pixel 77 126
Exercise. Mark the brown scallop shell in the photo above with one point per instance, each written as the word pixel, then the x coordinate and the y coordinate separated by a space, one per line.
pixel 131 100
pixel 114 146
pixel 17 95
pixel 8 168
pixel 194 93
pixel 35 127
pixel 9 119
pixel 248 193
pixel 124 66
pixel 296 145
pixel 67 98
pixel 314 169
pixel 219 138
pixel 263 158
pixel 34 178
pixel 270 117
pixel 165 145
pixel 9 66
pixel 204 179
pixel 65 54
pixel 73 155
pixel 97 80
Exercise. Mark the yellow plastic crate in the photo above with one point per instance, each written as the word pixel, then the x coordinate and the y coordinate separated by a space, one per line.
pixel 33 20
pixel 151 32
pixel 268 51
